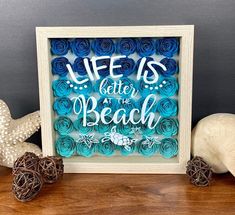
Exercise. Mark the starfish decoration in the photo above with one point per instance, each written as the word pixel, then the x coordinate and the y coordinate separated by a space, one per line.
pixel 150 141
pixel 87 139
pixel 14 133
pixel 136 130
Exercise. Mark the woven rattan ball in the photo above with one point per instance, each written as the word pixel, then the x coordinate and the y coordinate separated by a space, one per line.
pixel 28 161
pixel 26 184
pixel 199 172
pixel 51 168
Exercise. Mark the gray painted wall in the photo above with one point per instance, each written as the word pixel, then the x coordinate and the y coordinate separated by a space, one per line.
pixel 214 58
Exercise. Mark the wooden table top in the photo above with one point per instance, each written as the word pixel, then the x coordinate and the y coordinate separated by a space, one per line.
pixel 123 195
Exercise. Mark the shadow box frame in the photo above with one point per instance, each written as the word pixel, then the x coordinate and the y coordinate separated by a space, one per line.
pixel 118 164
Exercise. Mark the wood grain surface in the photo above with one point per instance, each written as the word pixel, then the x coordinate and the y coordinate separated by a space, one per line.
pixel 122 195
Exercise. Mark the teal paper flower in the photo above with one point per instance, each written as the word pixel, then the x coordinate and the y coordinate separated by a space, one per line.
pixel 126 152
pixel 78 125
pixel 63 106
pixel 106 148
pixel 63 125
pixel 168 86
pixel 102 128
pixel 86 145
pixel 61 87
pixel 167 127
pixel 124 129
pixel 65 146
pixel 106 82
pixel 168 147
pixel 146 130
pixel 147 147
pixel 167 107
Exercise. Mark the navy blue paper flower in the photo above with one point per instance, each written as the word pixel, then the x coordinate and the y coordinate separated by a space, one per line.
pixel 79 67
pixel 126 46
pixel 167 107
pixel 65 146
pixel 59 66
pixel 61 87
pixel 168 86
pixel 103 46
pixel 145 67
pixel 171 66
pixel 59 46
pixel 145 47
pixel 127 66
pixel 80 47
pixel 63 106
pixel 105 71
pixel 167 46
pixel 168 147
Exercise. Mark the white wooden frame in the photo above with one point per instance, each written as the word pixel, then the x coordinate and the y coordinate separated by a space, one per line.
pixel 117 164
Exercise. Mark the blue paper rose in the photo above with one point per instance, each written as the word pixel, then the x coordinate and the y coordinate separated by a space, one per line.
pixel 63 125
pixel 79 67
pixel 102 128
pixel 124 129
pixel 78 109
pixel 128 86
pixel 147 89
pixel 80 47
pixel 59 46
pixel 65 146
pixel 167 127
pixel 146 131
pixel 84 150
pixel 127 104
pixel 145 67
pixel 125 152
pixel 126 46
pixel 145 47
pixel 147 149
pixel 61 87
pixel 102 91
pixel 103 46
pixel 106 148
pixel 78 125
pixel 168 86
pixel 168 147
pixel 104 102
pixel 167 107
pixel 171 66
pixel 105 71
pixel 167 46
pixel 153 108
pixel 59 66
pixel 63 106
pixel 84 89
pixel 127 66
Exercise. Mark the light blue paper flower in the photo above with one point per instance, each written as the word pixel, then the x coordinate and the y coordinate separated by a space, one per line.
pixel 63 106
pixel 168 86
pixel 106 148
pixel 167 127
pixel 167 107
pixel 65 146
pixel 168 147
pixel 78 125
pixel 61 87
pixel 63 125
pixel 147 148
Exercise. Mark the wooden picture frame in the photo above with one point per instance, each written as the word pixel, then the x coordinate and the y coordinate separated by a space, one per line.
pixel 115 164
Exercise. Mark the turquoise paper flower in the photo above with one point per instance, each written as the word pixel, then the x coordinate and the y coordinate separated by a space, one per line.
pixel 106 148
pixel 65 146
pixel 63 125
pixel 167 107
pixel 126 82
pixel 85 150
pixel 102 128
pixel 147 148
pixel 167 127
pixel 84 89
pixel 63 106
pixel 78 125
pixel 168 86
pixel 108 82
pixel 168 147
pixel 61 87
pixel 126 152
pixel 147 89
pixel 108 102
pixel 146 130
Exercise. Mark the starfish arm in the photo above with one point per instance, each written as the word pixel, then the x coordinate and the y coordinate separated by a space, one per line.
pixel 5 118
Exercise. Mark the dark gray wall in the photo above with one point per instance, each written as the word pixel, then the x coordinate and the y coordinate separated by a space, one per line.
pixel 214 56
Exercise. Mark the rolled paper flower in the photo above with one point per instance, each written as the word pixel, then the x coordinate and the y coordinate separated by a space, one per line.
pixel 106 148
pixel 103 46
pixel 126 46
pixel 63 125
pixel 129 86
pixel 78 125
pixel 127 104
pixel 167 127
pixel 79 67
pixel 168 86
pixel 65 146
pixel 168 147
pixel 126 152
pixel 151 106
pixel 84 89
pixel 105 63
pixel 146 131
pixel 167 107
pixel 63 106
pixel 147 149
pixel 167 46
pixel 59 46
pixel 145 47
pixel 124 129
pixel 171 66
pixel 127 66
pixel 102 127
pixel 102 90
pixel 61 87
pixel 145 67
pixel 84 150
pixel 59 66
pixel 80 47
pixel 147 89
pixel 104 102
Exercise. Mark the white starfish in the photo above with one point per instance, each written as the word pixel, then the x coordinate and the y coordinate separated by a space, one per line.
pixel 13 134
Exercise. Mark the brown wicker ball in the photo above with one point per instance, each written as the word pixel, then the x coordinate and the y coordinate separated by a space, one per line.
pixel 51 168
pixel 199 172
pixel 28 161
pixel 26 184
